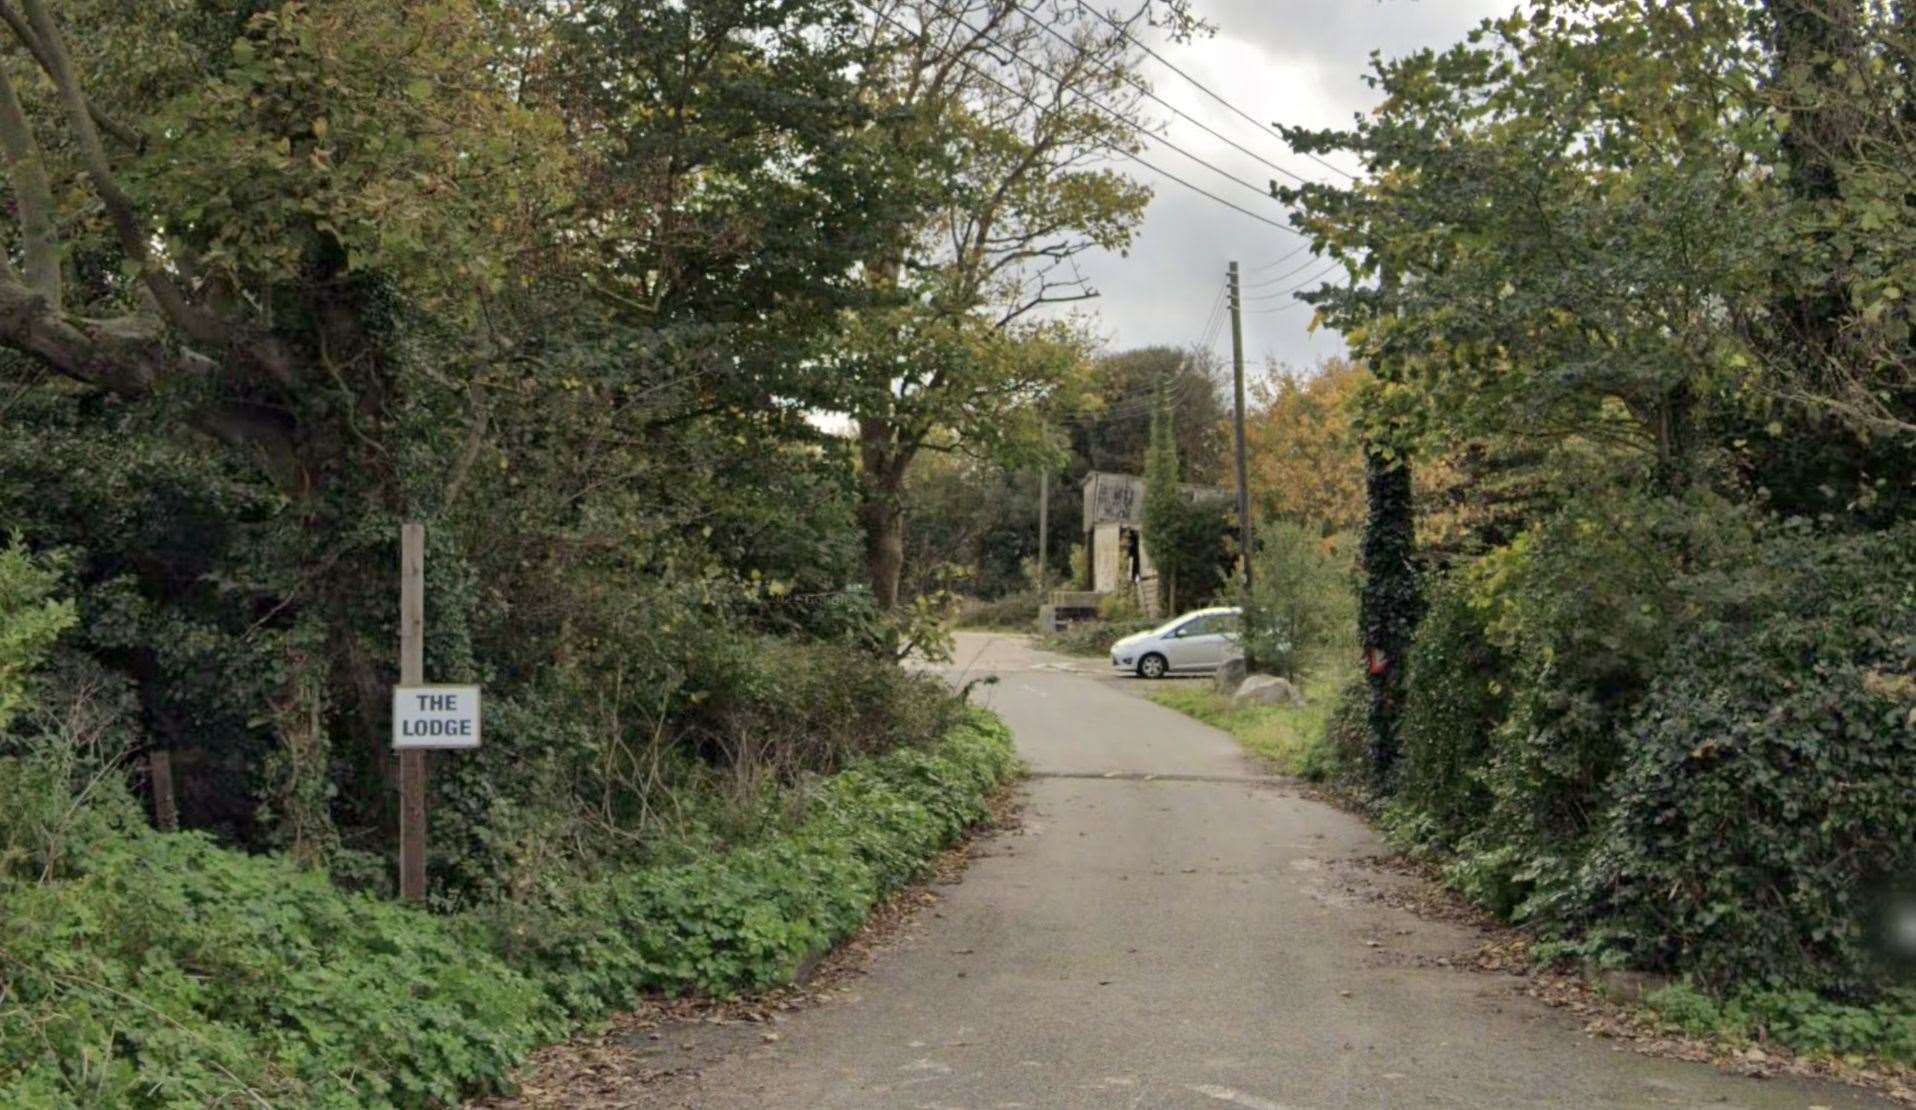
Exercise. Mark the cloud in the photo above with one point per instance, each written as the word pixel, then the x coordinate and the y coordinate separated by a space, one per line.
pixel 1299 61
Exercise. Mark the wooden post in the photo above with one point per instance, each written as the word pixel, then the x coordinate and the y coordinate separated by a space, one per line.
pixel 412 672
pixel 159 773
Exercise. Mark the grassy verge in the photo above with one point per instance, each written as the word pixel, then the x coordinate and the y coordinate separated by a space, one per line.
pixel 1290 738
pixel 166 971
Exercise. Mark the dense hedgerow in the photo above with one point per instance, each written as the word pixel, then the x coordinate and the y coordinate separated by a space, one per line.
pixel 1454 700
pixel 1764 820
pixel 1684 744
pixel 156 970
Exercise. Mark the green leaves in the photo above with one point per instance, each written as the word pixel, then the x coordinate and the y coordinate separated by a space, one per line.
pixel 198 975
pixel 747 919
pixel 173 972
pixel 31 618
pixel 1762 816
pixel 1554 226
pixel 1302 605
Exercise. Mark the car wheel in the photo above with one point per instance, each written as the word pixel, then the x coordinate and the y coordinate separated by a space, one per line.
pixel 1152 666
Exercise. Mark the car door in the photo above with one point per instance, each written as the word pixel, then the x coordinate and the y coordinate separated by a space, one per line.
pixel 1199 644
pixel 1176 645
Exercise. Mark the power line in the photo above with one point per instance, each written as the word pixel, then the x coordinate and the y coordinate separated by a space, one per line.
pixel 1268 282
pixel 1205 89
pixel 1208 193
pixel 1134 125
pixel 1298 288
pixel 1283 258
pixel 1148 91
pixel 1211 319
pixel 1216 327
pixel 1140 129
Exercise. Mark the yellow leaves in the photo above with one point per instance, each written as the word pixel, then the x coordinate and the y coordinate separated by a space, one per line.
pixel 1305 459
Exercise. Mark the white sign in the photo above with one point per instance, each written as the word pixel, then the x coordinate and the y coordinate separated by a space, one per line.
pixel 435 716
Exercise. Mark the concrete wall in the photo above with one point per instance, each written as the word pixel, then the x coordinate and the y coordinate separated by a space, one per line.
pixel 1107 559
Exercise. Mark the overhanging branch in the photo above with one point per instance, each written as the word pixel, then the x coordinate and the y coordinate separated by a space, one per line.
pixel 33 196
pixel 119 131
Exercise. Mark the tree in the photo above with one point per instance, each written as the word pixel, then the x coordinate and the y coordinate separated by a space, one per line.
pixel 1009 118
pixel 1300 604
pixel 1639 270
pixel 1163 499
pixel 1391 602
pixel 929 381
pixel 1184 535
pixel 360 285
pixel 31 618
pixel 222 247
pixel 735 191
pixel 1112 429
pixel 243 224
pixel 1557 258
pixel 1306 459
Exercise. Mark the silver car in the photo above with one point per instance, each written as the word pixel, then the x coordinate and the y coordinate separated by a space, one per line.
pixel 1193 643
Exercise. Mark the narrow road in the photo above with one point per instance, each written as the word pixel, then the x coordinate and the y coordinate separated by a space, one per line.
pixel 1188 941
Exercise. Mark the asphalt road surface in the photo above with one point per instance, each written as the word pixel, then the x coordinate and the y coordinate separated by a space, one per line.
pixel 1172 928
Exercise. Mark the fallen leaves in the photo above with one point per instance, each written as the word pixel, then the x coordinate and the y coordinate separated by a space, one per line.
pixel 1610 1015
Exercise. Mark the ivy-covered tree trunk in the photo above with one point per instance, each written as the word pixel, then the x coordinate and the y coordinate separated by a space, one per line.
pixel 1817 45
pixel 1391 602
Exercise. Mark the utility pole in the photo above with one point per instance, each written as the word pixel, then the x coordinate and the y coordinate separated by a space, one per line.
pixel 1044 530
pixel 1237 368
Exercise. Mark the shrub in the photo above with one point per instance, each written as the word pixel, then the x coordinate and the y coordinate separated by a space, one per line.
pixel 1094 638
pixel 1800 1019
pixel 172 972
pixel 1456 697
pixel 1302 603
pixel 1346 747
pixel 789 707
pixel 163 970
pixel 616 772
pixel 1014 611
pixel 1121 607
pixel 1576 617
pixel 751 917
pixel 1765 807
pixel 30 620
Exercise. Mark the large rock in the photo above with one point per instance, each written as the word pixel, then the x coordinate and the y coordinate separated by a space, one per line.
pixel 1229 676
pixel 1265 689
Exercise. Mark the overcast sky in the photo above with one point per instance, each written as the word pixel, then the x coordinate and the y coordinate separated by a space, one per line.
pixel 1301 61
